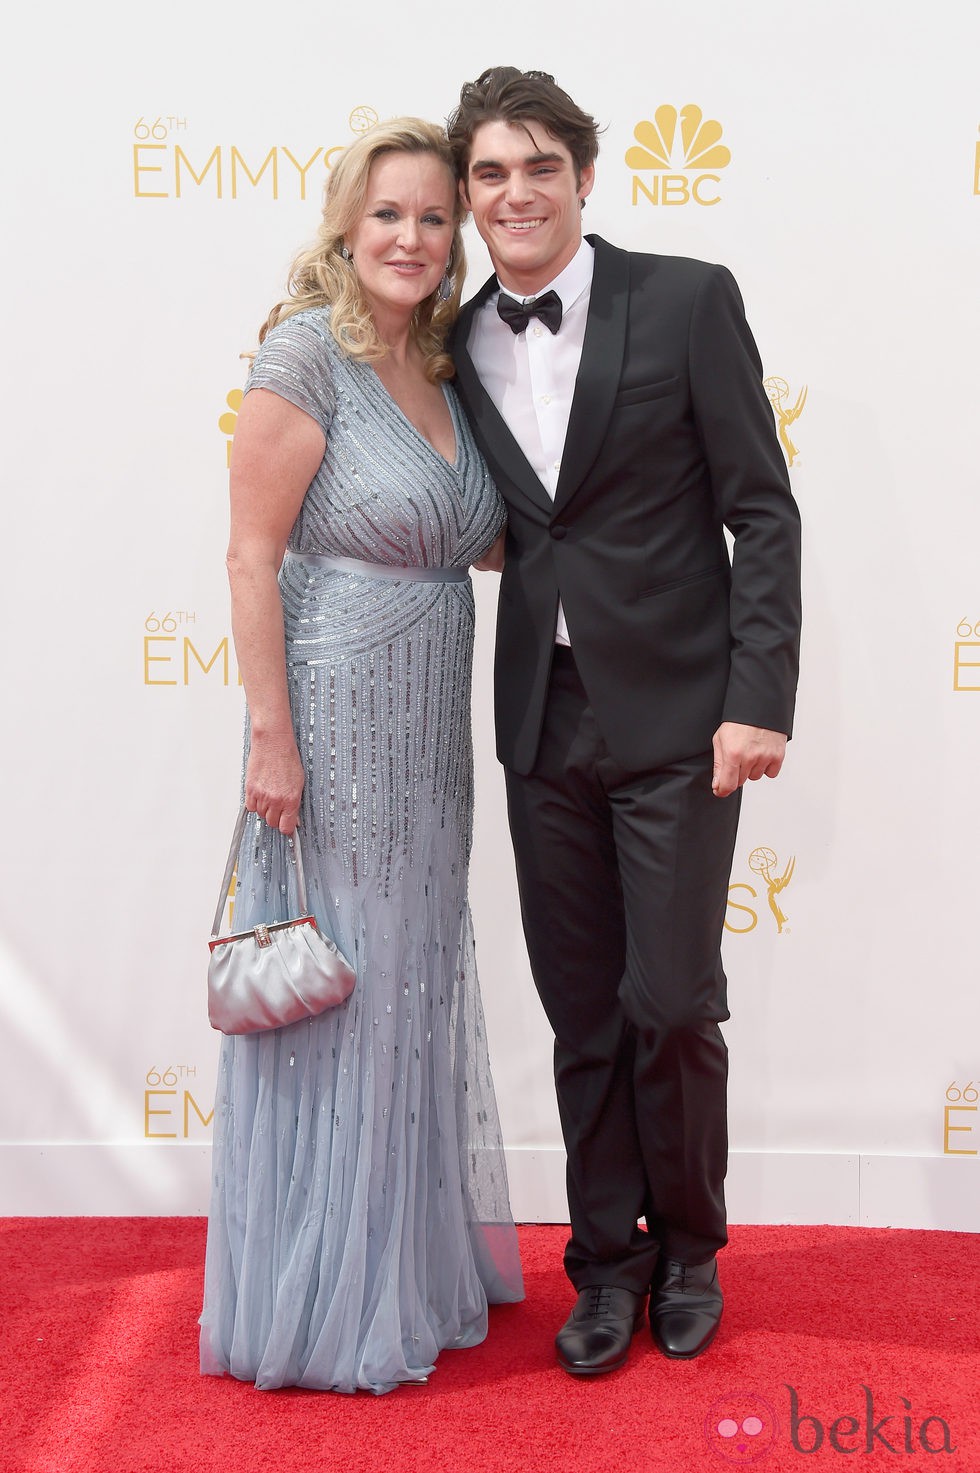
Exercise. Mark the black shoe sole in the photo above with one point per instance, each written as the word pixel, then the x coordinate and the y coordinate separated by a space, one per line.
pixel 685 1354
pixel 587 1371
pixel 616 1365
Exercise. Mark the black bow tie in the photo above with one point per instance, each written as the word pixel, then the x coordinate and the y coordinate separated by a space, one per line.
pixel 517 315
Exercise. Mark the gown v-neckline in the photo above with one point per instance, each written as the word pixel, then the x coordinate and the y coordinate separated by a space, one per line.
pixel 452 464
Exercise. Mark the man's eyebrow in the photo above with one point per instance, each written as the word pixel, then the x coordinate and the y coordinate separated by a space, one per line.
pixel 532 158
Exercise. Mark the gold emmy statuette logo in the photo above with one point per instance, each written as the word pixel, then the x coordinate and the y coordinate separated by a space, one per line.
pixel 763 862
pixel 701 152
pixel 778 391
pixel 227 422
pixel 742 915
pixel 361 119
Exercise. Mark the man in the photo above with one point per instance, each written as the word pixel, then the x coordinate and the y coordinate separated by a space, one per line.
pixel 642 676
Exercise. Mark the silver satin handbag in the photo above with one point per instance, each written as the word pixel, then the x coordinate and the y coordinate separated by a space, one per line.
pixel 273 974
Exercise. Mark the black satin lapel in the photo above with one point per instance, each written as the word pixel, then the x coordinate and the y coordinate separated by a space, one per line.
pixel 507 462
pixel 600 368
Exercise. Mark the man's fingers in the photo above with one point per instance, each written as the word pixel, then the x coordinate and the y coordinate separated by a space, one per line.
pixel 724 778
pixel 744 754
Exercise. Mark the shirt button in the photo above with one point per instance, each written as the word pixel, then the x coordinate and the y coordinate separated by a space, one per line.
pixel 537 332
pixel 545 398
pixel 557 465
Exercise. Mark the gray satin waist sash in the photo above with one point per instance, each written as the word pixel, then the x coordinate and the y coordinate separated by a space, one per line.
pixel 380 570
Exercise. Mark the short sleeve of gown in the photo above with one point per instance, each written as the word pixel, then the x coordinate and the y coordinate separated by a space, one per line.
pixel 294 361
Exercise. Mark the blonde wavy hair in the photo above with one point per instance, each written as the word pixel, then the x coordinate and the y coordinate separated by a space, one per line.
pixel 319 276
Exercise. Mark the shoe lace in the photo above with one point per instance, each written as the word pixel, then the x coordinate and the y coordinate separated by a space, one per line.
pixel 598 1300
pixel 676 1276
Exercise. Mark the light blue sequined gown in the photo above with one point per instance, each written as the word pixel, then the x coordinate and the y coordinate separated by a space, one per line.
pixel 360 1221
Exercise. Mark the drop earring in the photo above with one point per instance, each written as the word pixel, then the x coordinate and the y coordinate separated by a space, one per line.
pixel 345 254
pixel 445 288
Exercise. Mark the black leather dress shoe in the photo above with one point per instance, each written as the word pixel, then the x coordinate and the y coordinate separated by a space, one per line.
pixel 685 1307
pixel 596 1336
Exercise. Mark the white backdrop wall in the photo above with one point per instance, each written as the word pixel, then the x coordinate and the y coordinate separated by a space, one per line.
pixel 162 167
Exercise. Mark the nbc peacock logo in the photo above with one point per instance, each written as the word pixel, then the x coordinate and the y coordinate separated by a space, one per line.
pixel 662 148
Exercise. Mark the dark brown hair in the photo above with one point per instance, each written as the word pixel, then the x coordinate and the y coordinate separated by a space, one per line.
pixel 505 95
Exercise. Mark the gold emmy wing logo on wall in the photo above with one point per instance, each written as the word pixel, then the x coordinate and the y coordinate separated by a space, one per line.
pixel 169 164
pixel 773 881
pixel 779 397
pixel 697 150
pixel 966 656
pixel 228 421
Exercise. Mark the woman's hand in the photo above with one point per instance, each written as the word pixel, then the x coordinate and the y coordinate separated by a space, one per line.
pixel 274 780
pixel 492 560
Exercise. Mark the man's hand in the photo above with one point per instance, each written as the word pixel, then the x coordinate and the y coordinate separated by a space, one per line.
pixel 744 754
pixel 492 560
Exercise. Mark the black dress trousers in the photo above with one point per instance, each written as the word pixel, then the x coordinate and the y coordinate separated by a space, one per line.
pixel 623 880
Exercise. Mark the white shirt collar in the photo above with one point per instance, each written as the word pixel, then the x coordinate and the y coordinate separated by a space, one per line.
pixel 570 283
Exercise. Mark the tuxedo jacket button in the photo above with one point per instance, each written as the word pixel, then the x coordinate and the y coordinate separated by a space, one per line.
pixel 558 531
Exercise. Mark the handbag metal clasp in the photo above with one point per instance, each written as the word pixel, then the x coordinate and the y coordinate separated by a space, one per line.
pixel 262 937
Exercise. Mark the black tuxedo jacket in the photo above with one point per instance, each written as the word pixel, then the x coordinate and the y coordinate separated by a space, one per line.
pixel 670 440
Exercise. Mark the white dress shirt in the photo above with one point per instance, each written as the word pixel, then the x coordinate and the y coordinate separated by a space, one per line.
pixel 530 376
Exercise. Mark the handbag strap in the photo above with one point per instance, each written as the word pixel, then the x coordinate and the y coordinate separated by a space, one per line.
pixel 236 843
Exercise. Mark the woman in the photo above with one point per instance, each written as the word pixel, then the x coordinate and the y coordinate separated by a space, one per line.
pixel 359 1219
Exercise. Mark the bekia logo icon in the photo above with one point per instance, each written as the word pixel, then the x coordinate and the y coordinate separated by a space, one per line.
pixel 741 1428
pixel 698 150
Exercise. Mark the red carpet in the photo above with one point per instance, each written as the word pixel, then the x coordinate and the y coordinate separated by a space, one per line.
pixel 835 1342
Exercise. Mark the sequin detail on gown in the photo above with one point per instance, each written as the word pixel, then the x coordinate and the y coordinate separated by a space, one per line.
pixel 360 1219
